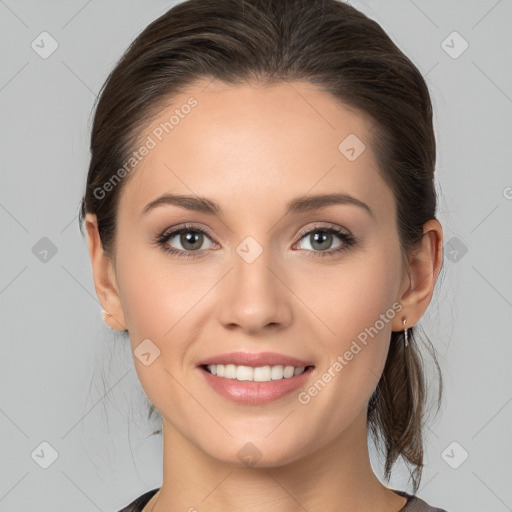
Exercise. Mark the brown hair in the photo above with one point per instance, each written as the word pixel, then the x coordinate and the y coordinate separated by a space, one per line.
pixel 327 43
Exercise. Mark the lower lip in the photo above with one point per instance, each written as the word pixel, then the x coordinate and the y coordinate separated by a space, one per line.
pixel 255 393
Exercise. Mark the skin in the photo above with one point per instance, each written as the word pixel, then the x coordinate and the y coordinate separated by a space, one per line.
pixel 252 149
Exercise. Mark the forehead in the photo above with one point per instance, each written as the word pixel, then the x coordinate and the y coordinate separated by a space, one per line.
pixel 259 142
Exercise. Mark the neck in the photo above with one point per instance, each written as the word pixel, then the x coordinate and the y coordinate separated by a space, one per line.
pixel 336 477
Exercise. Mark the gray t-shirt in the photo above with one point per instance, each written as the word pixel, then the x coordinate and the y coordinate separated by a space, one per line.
pixel 414 504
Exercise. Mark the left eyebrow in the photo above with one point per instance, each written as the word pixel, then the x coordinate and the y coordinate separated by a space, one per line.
pixel 299 204
pixel 312 202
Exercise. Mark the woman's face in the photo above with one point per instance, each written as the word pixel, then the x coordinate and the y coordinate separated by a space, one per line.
pixel 254 281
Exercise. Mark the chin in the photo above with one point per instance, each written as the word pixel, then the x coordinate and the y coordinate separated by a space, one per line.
pixel 253 451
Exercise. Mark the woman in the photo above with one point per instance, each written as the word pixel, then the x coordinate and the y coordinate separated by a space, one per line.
pixel 231 141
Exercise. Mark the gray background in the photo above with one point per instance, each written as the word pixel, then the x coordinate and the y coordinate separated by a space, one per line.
pixel 68 381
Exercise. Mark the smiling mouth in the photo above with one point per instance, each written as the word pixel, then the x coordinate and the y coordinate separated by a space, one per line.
pixel 255 373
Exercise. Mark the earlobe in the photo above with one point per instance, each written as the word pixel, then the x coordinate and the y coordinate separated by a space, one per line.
pixel 424 267
pixel 104 277
pixel 111 321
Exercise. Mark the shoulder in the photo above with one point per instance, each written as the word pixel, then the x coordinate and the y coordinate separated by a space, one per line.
pixel 138 504
pixel 415 504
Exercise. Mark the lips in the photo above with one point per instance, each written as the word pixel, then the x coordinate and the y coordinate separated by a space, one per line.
pixel 255 393
pixel 255 359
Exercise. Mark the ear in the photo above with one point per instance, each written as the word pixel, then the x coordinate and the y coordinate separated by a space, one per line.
pixel 105 281
pixel 420 277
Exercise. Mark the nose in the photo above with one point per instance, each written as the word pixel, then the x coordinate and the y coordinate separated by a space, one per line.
pixel 254 296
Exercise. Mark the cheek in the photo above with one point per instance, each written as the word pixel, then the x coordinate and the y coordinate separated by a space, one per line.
pixel 162 300
pixel 153 292
pixel 148 300
pixel 351 297
pixel 158 303
pixel 356 302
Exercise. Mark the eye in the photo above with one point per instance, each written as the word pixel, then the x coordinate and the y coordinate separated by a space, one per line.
pixel 320 240
pixel 191 239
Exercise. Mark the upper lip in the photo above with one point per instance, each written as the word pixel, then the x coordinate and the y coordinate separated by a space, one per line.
pixel 255 359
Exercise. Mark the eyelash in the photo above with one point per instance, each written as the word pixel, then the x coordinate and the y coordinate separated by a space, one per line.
pixel 347 239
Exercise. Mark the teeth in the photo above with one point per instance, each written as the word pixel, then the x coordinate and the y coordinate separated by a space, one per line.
pixel 230 371
pixel 255 374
